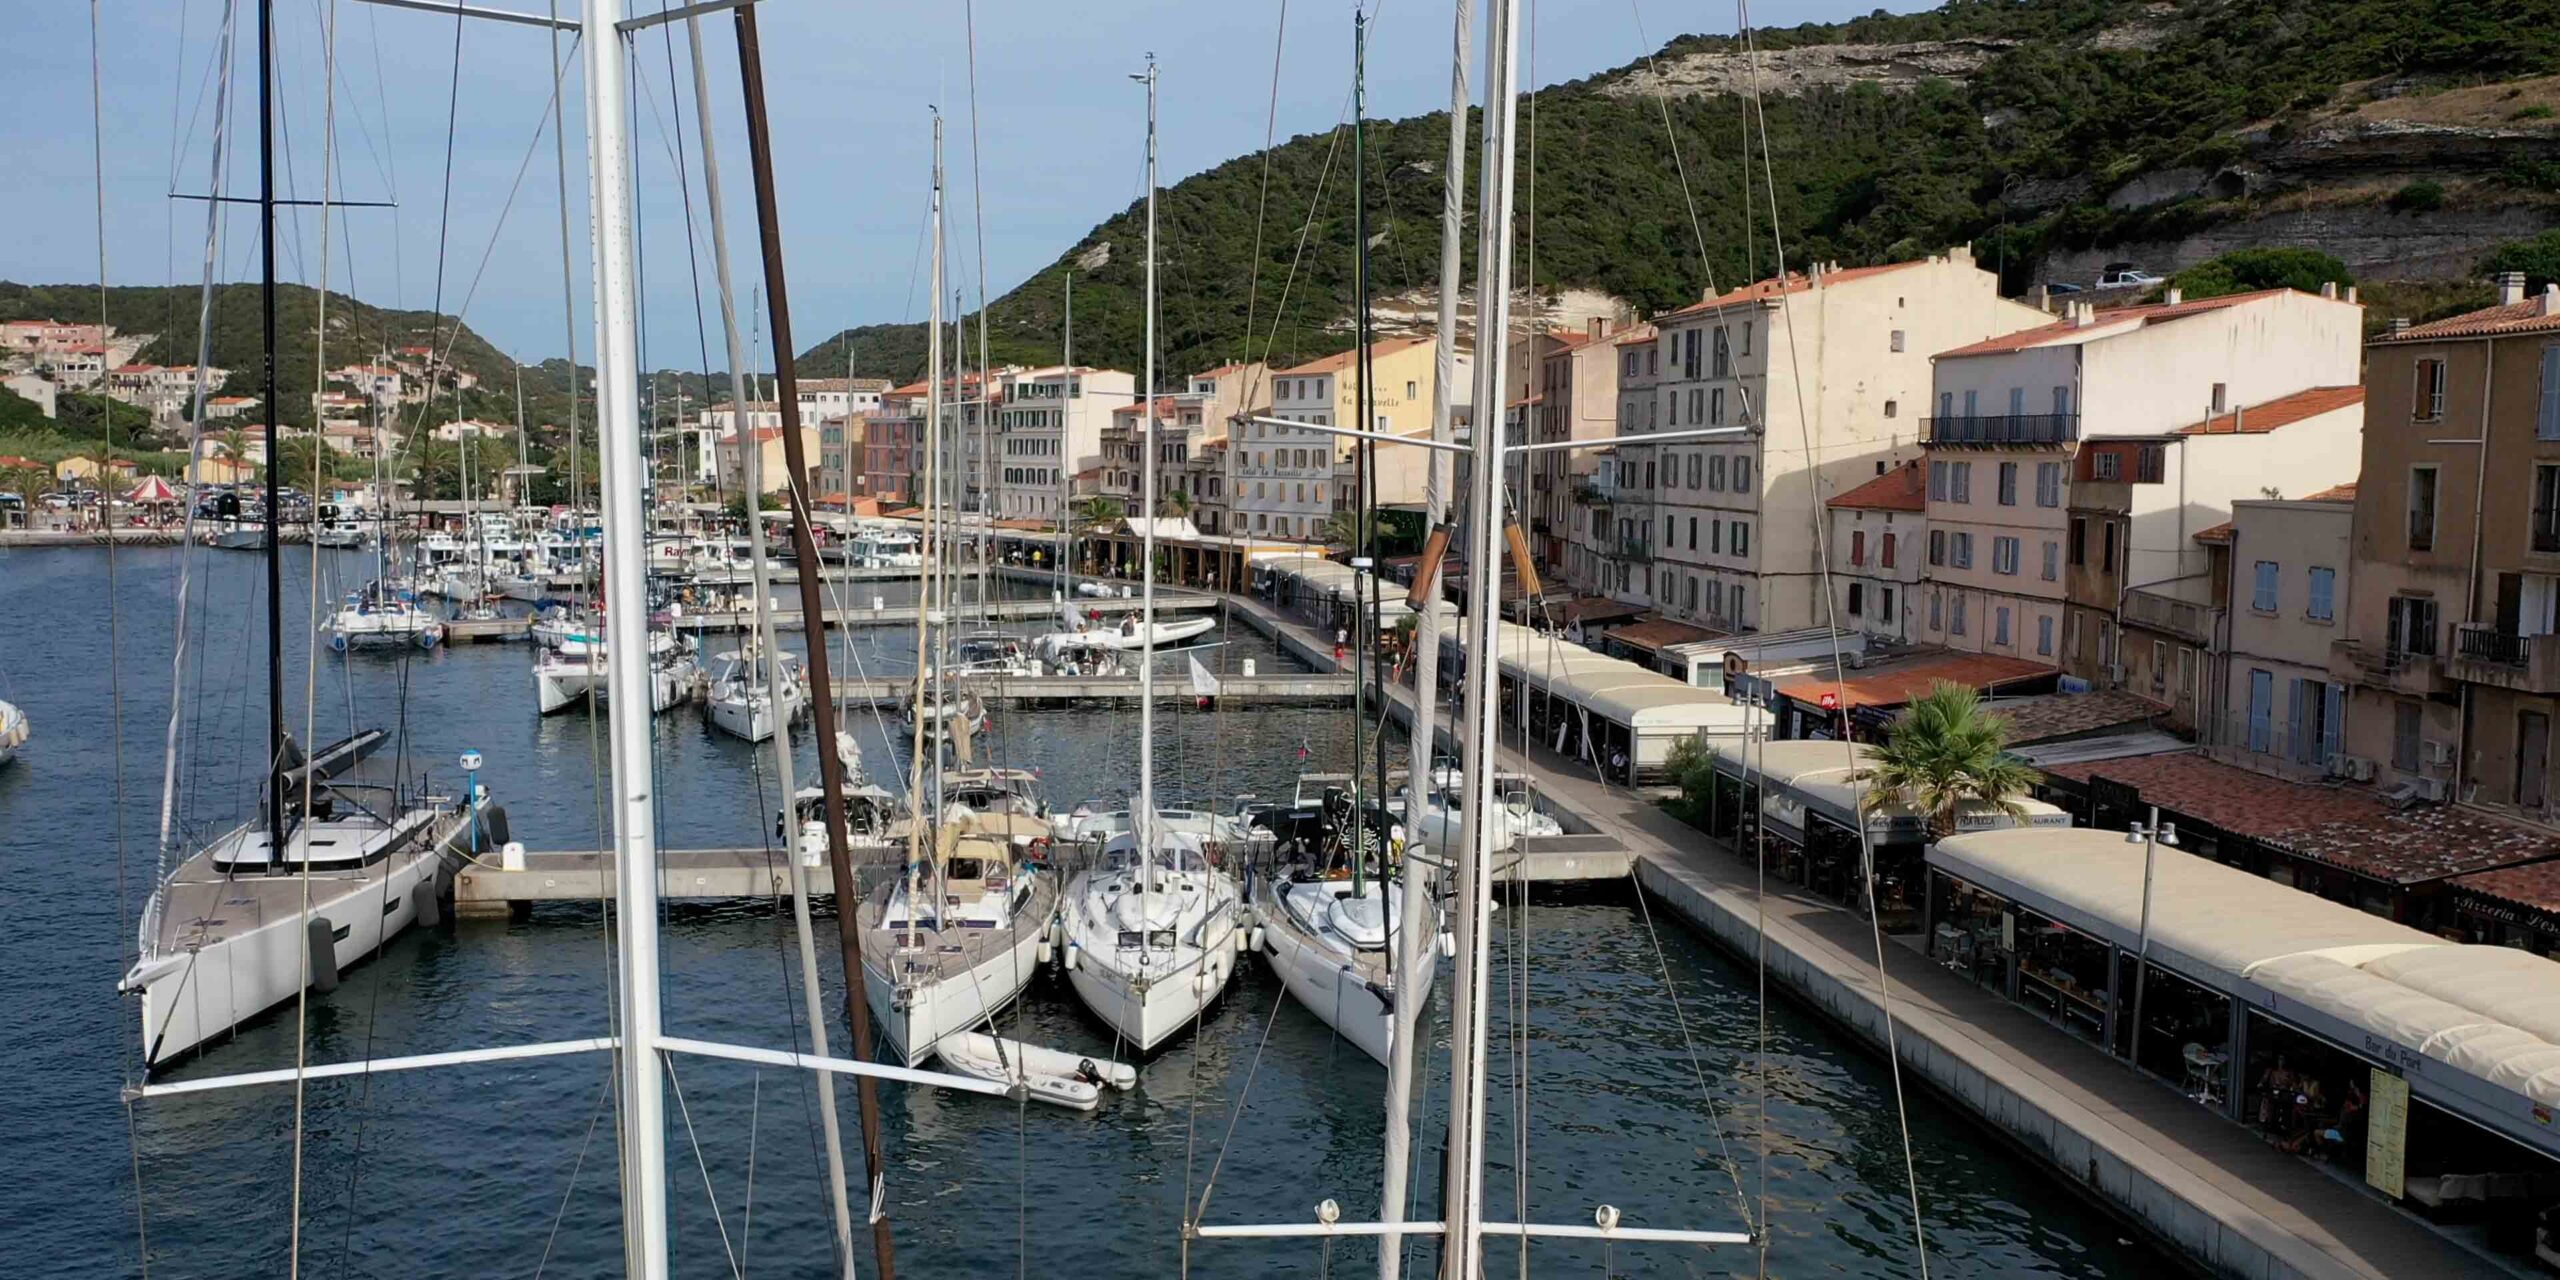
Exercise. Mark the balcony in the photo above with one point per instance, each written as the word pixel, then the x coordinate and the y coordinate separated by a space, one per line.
pixel 2482 654
pixel 1594 493
pixel 2381 667
pixel 2159 612
pixel 1635 546
pixel 2025 429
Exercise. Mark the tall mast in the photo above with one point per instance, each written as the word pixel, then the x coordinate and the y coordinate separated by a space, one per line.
pixel 813 603
pixel 1066 550
pixel 1465 1184
pixel 928 701
pixel 1144 820
pixel 1364 452
pixel 267 373
pixel 1412 943
pixel 625 581
pixel 752 459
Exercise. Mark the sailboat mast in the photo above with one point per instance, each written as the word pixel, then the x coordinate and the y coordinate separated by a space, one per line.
pixel 1464 1212
pixel 625 580
pixel 928 699
pixel 1144 820
pixel 267 375
pixel 1403 1053
pixel 1364 454
pixel 752 458
pixel 813 602
pixel 1066 548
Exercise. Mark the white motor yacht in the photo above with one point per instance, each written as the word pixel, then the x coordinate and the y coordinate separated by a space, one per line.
pixel 956 939
pixel 223 937
pixel 578 669
pixel 1150 940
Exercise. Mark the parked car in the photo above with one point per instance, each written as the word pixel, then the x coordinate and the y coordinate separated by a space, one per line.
pixel 2122 275
pixel 2057 288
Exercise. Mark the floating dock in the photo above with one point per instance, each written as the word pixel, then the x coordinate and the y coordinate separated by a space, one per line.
pixel 1067 691
pixel 864 615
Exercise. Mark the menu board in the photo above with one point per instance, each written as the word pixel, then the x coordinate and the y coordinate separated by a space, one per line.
pixel 2386 1133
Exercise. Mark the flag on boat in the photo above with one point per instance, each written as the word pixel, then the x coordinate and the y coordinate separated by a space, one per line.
pixel 1202 683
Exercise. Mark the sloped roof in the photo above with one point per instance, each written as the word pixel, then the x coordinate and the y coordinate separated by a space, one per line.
pixel 2218 534
pixel 1900 489
pixel 2283 411
pixel 1900 682
pixel 2535 314
pixel 2334 493
pixel 1763 290
pixel 2069 715
pixel 2107 324
pixel 1662 633
pixel 1341 360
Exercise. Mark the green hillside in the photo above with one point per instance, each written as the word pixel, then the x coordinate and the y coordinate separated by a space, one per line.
pixel 2069 95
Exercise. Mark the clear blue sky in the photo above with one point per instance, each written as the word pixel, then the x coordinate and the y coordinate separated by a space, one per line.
pixel 1059 124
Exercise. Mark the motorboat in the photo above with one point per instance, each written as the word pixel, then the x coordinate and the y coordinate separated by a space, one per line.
pixel 956 939
pixel 1443 815
pixel 1330 937
pixel 1058 1078
pixel 365 853
pixel 1128 634
pixel 579 670
pixel 740 699
pixel 1151 936
pixel 380 616
pixel 15 729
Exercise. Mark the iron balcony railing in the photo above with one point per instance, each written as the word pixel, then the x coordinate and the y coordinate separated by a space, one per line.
pixel 2481 642
pixel 2019 428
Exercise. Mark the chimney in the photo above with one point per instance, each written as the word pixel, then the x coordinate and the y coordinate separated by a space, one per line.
pixel 2551 299
pixel 2399 325
pixel 2084 314
pixel 2510 288
pixel 2176 295
pixel 1599 326
pixel 2351 295
pixel 2329 289
pixel 1813 275
pixel 2044 300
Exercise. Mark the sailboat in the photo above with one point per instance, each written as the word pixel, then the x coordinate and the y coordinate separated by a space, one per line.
pixel 580 668
pixel 742 701
pixel 1329 924
pixel 1151 930
pixel 376 615
pixel 339 859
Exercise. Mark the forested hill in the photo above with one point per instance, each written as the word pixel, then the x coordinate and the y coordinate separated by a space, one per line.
pixel 2046 132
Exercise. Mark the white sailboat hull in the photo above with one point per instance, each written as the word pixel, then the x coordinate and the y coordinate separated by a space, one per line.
pixel 1148 1006
pixel 190 998
pixel 919 1018
pixel 1325 981
pixel 14 732
pixel 753 718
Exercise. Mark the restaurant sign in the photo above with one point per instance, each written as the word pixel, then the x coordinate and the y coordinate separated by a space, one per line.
pixel 2386 1134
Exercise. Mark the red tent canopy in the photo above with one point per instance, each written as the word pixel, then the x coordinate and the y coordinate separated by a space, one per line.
pixel 153 489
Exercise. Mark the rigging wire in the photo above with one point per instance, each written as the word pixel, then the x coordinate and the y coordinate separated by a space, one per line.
pixel 1839 663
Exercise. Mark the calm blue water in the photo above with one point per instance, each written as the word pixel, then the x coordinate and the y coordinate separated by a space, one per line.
pixel 490 1170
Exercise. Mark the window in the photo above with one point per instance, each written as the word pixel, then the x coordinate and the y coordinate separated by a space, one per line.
pixel 1961 548
pixel 1972 404
pixel 1897 339
pixel 2000 626
pixel 1937 612
pixel 2407 719
pixel 2545 531
pixel 1955 622
pixel 2150 463
pixel 2107 548
pixel 1960 480
pixel 1741 538
pixel 1937 549
pixel 2106 465
pixel 2412 626
pixel 2430 390
pixel 2262 594
pixel 2422 508
pixel 1412 390
pixel 2044 636
pixel 1857 546
pixel 1742 475
pixel 1693 593
pixel 1886 556
pixel 2221 397
pixel 1857 598
pixel 2159 667
pixel 2546 422
pixel 2262 707
pixel 1884 611
pixel 1715 537
pixel 2048 484
pixel 1715 407
pixel 1723 354
pixel 2052 559
pixel 1889 407
pixel 1694 463
pixel 2004 556
pixel 2017 403
pixel 1693 533
pixel 2061 401
pixel 1716 473
pixel 2323 587
pixel 2008 484
pixel 1946 404
pixel 2079 541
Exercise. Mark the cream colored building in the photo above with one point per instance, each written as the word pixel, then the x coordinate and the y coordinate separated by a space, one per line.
pixel 1878 545
pixel 2151 419
pixel 1049 425
pixel 2279 710
pixel 1827 372
pixel 773 466
pixel 1286 483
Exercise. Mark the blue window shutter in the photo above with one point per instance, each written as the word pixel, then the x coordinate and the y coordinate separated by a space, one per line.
pixel 2262 697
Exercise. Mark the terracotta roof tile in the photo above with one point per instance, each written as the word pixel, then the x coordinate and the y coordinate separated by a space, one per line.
pixel 1340 360
pixel 2283 411
pixel 2535 885
pixel 2109 322
pixel 1900 489
pixel 2067 715
pixel 1600 609
pixel 1763 290
pixel 1662 633
pixel 2218 534
pixel 1897 683
pixel 1637 335
pixel 2334 493
pixel 2532 315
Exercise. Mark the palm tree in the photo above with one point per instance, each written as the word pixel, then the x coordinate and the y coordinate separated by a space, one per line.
pixel 1344 529
pixel 1177 504
pixel 1944 752
pixel 1098 510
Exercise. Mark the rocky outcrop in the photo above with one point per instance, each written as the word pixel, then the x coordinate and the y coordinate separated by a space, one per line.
pixel 1895 68
pixel 2374 242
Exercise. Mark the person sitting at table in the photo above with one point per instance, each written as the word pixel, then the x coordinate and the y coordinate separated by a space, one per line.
pixel 2346 1133
pixel 2275 1088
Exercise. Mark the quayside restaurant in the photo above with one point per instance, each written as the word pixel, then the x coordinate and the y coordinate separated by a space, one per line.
pixel 2428 1069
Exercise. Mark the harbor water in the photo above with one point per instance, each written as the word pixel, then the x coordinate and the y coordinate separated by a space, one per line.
pixel 1630 1081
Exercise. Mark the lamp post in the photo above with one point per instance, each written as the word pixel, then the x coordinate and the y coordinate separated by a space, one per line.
pixel 471 795
pixel 2150 835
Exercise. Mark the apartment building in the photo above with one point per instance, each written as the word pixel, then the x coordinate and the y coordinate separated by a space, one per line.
pixel 1827 371
pixel 842 451
pixel 840 397
pixel 2072 464
pixel 1049 425
pixel 1608 513
pixel 1877 535
pixel 892 450
pixel 773 465
pixel 1574 396
pixel 2277 707
pixel 1286 483
pixel 699 459
pixel 1181 429
pixel 2452 654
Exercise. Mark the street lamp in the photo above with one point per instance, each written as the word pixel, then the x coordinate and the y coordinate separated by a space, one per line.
pixel 2150 835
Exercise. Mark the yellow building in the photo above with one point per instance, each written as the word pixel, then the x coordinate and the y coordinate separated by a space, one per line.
pixel 93 472
pixel 1287 483
pixel 213 470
